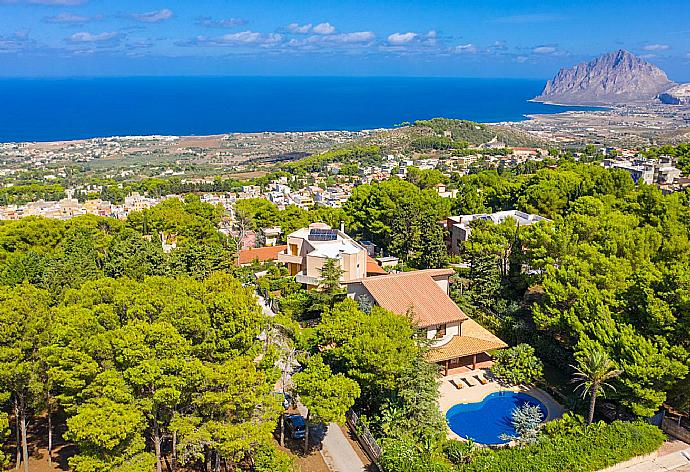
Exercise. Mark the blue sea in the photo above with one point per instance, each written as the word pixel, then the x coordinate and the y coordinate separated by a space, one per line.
pixel 75 108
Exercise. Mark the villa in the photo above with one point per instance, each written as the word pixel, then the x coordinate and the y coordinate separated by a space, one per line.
pixel 458 343
pixel 309 248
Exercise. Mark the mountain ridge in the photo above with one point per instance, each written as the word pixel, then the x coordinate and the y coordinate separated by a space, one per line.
pixel 616 77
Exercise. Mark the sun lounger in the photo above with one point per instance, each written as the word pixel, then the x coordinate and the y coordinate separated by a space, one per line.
pixel 469 381
pixel 455 384
pixel 481 379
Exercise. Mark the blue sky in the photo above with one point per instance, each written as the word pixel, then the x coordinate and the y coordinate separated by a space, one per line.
pixel 463 38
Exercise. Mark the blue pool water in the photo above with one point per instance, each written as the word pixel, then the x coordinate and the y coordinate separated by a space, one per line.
pixel 485 421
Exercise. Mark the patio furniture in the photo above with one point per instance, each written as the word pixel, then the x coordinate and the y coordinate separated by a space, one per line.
pixel 481 379
pixel 468 381
pixel 455 384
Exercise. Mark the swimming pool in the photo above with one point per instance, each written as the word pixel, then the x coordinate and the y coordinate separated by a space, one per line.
pixel 485 421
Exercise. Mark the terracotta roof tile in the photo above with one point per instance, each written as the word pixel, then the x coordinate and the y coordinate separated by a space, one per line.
pixel 460 346
pixel 373 267
pixel 262 254
pixel 417 291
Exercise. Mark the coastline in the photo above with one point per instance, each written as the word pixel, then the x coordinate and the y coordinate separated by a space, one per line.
pixel 36 111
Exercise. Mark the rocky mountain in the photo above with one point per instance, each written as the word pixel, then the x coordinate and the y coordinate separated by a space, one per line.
pixel 614 78
pixel 678 95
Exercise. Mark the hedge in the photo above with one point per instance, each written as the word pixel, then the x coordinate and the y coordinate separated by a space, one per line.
pixel 599 446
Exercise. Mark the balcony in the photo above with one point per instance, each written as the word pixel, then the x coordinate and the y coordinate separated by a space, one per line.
pixel 288 258
pixel 307 279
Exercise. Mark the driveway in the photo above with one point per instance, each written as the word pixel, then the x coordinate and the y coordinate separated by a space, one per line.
pixel 338 452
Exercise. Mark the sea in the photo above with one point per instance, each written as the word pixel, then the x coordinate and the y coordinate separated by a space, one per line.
pixel 77 108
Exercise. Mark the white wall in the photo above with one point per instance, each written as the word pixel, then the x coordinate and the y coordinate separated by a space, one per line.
pixel 452 329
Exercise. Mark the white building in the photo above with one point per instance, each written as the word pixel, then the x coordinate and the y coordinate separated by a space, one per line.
pixel 459 227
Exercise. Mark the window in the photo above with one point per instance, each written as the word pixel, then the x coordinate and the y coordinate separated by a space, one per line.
pixel 441 331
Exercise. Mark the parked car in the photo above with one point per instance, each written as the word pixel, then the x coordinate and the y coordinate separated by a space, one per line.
pixel 296 426
pixel 284 398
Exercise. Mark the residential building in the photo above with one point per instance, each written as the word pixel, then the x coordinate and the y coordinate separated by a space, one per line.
pixel 309 248
pixel 647 171
pixel 524 152
pixel 388 261
pixel 459 228
pixel 457 341
pixel 271 235
pixel 443 191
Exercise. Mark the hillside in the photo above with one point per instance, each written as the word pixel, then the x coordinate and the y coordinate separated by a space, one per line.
pixel 444 133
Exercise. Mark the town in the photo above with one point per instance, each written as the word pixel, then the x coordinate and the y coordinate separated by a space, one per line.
pixel 331 186
pixel 421 281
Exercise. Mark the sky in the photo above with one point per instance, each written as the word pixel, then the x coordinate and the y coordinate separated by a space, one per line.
pixel 455 38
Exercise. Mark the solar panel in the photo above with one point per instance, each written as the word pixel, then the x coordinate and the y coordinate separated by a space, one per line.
pixel 322 235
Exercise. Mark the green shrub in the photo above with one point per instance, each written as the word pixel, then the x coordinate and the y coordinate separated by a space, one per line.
pixel 574 449
pixel 399 455
pixel 459 452
pixel 268 459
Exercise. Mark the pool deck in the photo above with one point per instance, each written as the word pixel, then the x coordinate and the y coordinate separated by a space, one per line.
pixel 450 396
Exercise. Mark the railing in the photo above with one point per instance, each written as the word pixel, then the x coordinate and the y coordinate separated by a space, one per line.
pixel 364 437
pixel 674 429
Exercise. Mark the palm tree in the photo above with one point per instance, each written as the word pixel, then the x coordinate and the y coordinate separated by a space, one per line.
pixel 592 374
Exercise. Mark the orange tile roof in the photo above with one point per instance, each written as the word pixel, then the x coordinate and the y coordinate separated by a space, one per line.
pixel 373 267
pixel 417 291
pixel 262 254
pixel 460 346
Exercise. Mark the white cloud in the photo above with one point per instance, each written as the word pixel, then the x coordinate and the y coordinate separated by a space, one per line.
pixel 19 41
pixel 300 29
pixel 499 46
pixel 324 28
pixel 356 37
pixel 401 38
pixel 208 22
pixel 86 37
pixel 70 18
pixel 521 59
pixel 431 38
pixel 250 37
pixel 656 47
pixel 544 50
pixel 468 48
pixel 153 16
pixel 246 38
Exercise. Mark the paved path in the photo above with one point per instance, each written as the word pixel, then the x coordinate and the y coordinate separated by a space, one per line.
pixel 677 462
pixel 338 452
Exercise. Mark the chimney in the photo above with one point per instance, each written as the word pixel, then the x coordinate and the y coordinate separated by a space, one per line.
pixel 342 226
